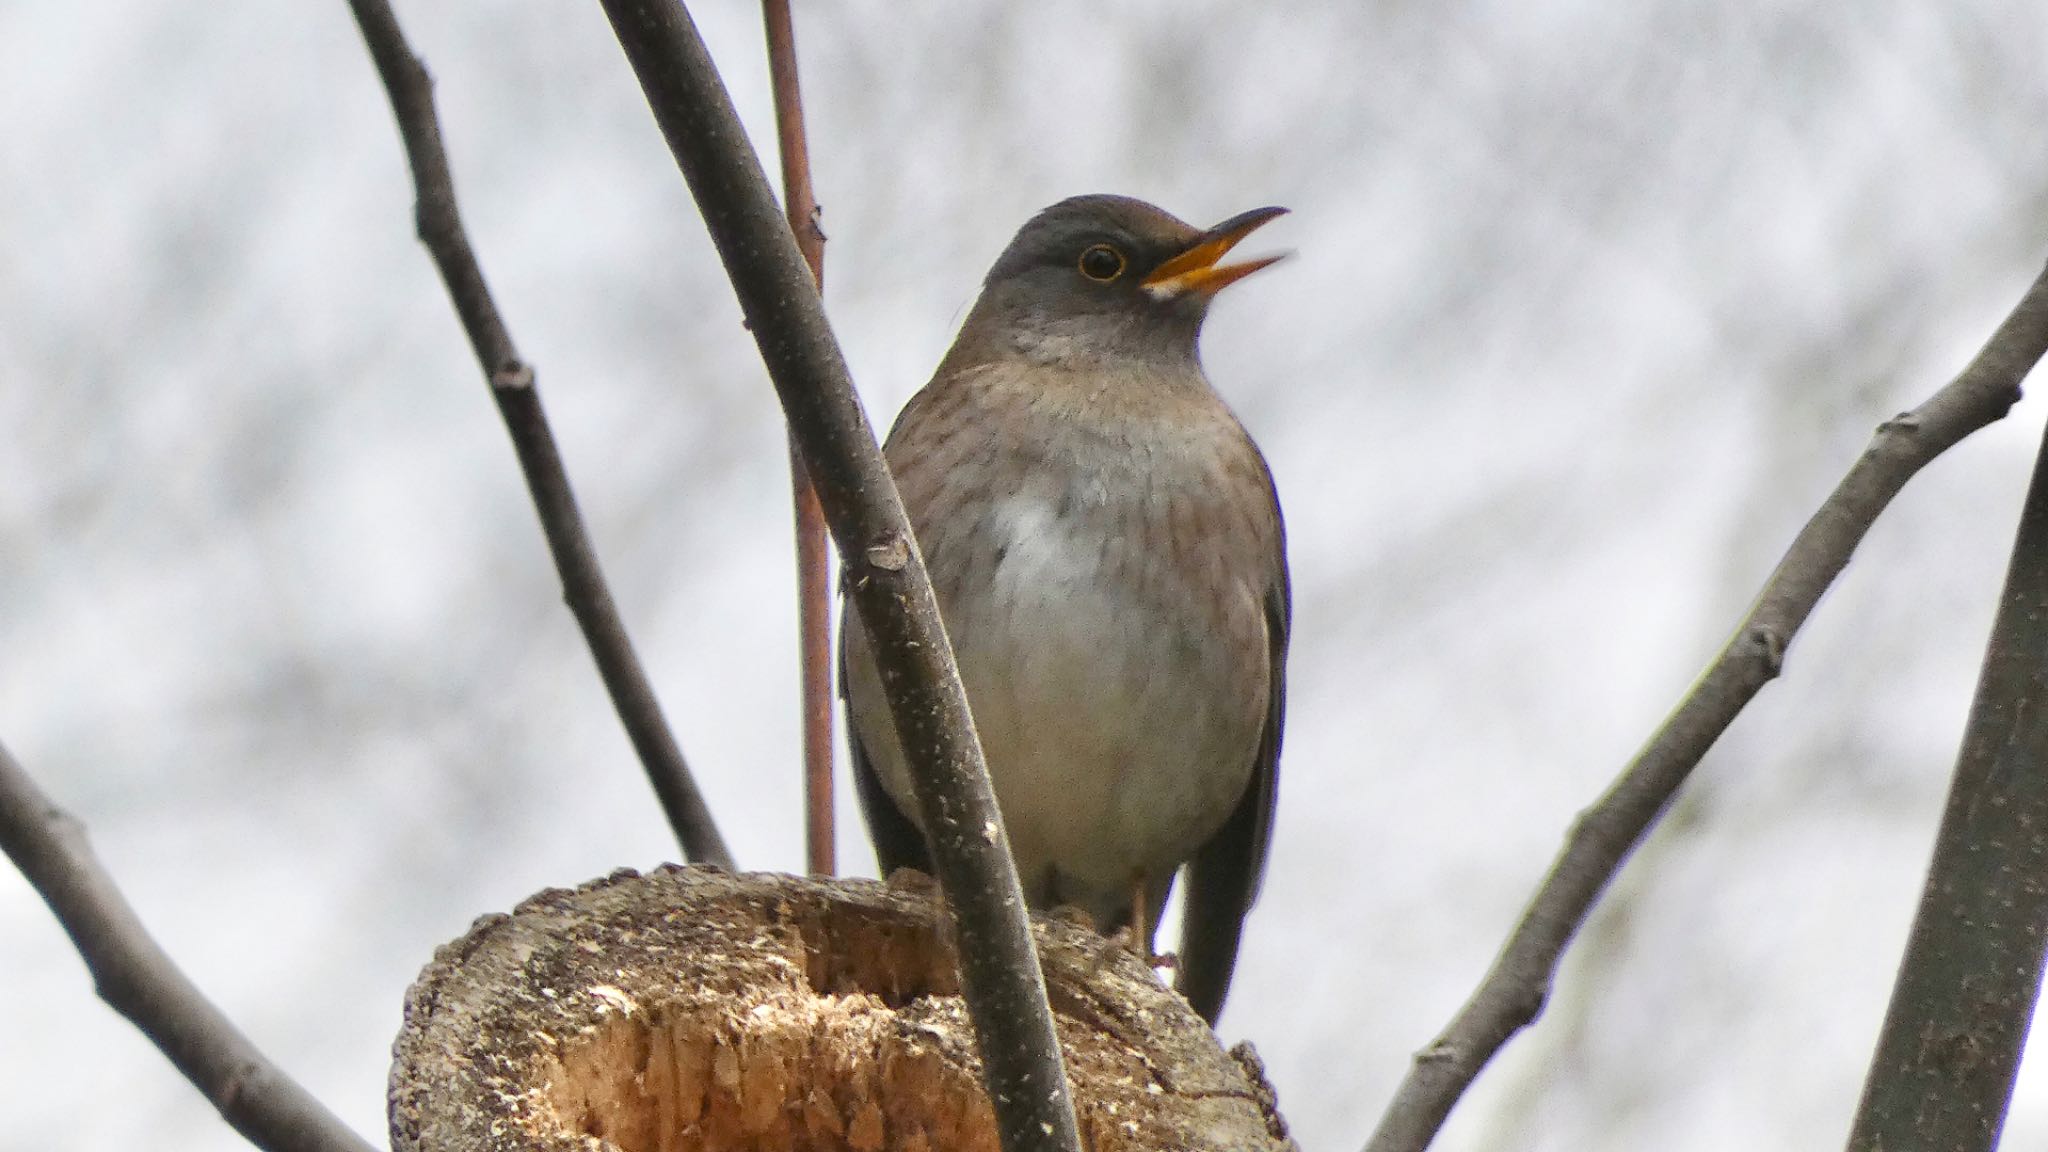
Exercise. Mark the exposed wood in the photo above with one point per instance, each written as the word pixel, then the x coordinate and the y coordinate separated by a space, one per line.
pixel 692 1008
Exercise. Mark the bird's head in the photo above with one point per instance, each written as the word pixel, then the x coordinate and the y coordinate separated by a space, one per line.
pixel 1107 277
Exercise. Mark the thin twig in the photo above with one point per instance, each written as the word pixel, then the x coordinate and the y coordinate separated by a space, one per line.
pixel 518 398
pixel 1513 992
pixel 134 976
pixel 813 559
pixel 1942 1074
pixel 999 971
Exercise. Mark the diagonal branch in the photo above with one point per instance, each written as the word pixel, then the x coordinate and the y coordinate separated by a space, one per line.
pixel 1513 992
pixel 518 399
pixel 134 976
pixel 813 559
pixel 1942 1074
pixel 886 580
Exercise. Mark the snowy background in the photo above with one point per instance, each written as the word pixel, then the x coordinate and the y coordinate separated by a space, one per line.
pixel 1593 303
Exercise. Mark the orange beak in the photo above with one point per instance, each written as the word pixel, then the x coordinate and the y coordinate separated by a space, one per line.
pixel 1199 270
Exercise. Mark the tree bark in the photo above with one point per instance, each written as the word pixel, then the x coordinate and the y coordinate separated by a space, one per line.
pixel 691 1008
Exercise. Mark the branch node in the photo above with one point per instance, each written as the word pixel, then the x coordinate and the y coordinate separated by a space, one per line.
pixel 891 554
pixel 1440 1051
pixel 65 828
pixel 237 1081
pixel 1530 1003
pixel 512 376
pixel 1770 642
pixel 418 78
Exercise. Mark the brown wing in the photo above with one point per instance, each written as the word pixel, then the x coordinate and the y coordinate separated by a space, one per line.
pixel 1223 879
pixel 898 843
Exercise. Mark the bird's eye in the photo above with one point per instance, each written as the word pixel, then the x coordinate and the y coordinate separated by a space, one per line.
pixel 1102 262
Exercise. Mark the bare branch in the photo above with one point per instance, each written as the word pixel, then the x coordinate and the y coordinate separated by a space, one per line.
pixel 1943 1071
pixel 518 399
pixel 999 970
pixel 1513 992
pixel 813 560
pixel 135 978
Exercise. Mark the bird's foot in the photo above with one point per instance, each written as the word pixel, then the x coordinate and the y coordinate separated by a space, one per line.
pixel 1125 940
pixel 908 879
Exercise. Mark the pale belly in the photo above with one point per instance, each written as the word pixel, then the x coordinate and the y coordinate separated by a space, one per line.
pixel 1119 703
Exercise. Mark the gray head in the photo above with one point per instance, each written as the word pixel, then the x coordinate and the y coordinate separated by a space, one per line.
pixel 1103 278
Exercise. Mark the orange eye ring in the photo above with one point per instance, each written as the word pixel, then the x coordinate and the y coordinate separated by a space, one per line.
pixel 1102 263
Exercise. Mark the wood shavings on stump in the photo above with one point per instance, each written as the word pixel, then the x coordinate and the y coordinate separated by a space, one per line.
pixel 692 1009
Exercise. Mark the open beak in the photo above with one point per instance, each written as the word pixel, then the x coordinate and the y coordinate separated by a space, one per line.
pixel 1199 270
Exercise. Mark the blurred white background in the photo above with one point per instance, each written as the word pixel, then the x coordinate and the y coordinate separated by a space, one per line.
pixel 1593 304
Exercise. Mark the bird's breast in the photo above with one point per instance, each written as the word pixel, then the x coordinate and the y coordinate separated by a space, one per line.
pixel 1105 603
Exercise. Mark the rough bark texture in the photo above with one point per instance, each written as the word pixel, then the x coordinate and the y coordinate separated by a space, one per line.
pixel 696 1009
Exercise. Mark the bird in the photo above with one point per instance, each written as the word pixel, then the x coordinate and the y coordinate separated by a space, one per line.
pixel 1105 543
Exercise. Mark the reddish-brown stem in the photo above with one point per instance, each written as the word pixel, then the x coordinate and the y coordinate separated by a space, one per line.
pixel 813 556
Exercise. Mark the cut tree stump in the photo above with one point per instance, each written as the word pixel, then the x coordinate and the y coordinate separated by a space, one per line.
pixel 692 1008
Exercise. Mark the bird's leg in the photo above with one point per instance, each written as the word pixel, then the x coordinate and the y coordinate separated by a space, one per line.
pixel 1135 936
pixel 1142 928
pixel 1141 908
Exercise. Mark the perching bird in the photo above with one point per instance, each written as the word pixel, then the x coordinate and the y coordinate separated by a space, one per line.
pixel 1106 547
